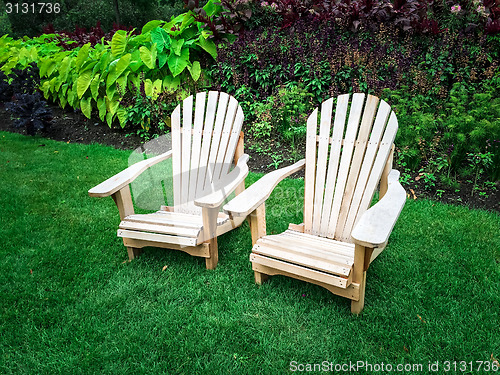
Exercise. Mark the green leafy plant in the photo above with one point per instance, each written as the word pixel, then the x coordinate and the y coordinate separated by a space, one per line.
pixel 89 78
pixel 479 163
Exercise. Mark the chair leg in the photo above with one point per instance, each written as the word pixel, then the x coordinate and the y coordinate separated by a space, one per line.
pixel 260 278
pixel 211 262
pixel 133 252
pixel 357 306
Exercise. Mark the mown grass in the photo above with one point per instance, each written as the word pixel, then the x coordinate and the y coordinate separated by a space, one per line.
pixel 71 304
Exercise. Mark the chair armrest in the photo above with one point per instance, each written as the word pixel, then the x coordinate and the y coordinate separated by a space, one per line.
pixel 247 201
pixel 215 196
pixel 125 177
pixel 375 225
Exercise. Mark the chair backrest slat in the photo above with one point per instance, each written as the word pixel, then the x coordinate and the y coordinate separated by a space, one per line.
pixel 343 171
pixel 360 147
pixel 197 135
pixel 373 145
pixel 233 142
pixel 383 154
pixel 333 163
pixel 226 133
pixel 345 160
pixel 216 136
pixel 187 123
pixel 202 147
pixel 310 172
pixel 213 97
pixel 324 138
pixel 176 152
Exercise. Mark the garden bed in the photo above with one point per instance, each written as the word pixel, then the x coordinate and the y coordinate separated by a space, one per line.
pixel 72 127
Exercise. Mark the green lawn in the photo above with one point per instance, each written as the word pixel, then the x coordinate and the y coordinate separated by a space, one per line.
pixel 71 304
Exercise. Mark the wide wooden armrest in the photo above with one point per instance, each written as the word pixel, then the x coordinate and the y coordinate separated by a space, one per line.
pixel 255 195
pixel 125 177
pixel 375 225
pixel 215 196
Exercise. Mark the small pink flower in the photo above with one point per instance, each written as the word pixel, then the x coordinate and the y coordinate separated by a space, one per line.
pixel 481 9
pixel 456 8
pixel 274 6
pixel 264 4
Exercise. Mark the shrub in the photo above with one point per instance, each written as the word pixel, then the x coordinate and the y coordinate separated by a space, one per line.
pixel 78 38
pixel 425 17
pixel 445 138
pixel 164 55
pixel 328 61
pixel 30 112
pixel 283 115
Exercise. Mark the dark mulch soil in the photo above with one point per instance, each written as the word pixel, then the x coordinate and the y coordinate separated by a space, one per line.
pixel 72 126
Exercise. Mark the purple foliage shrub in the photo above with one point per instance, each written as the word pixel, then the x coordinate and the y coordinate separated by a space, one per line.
pixel 72 39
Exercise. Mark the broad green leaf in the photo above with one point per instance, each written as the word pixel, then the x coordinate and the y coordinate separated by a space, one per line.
pixel 211 8
pixel 83 83
pixel 122 83
pixel 190 33
pixel 94 86
pixel 83 54
pixel 64 69
pixel 208 46
pixel 177 46
pixel 86 106
pixel 171 83
pixel 122 64
pixel 136 61
pixel 111 91
pixel 64 89
pixel 162 59
pixel 59 83
pixel 71 97
pixel 148 87
pixel 148 57
pixel 101 106
pixel 63 101
pixel 45 89
pixel 177 64
pixel 103 61
pixel 52 84
pixel 119 43
pixel 161 38
pixel 151 25
pixel 112 105
pixel 122 115
pixel 33 54
pixel 44 67
pixel 134 80
pixel 156 88
pixel 109 119
pixel 88 64
pixel 112 76
pixel 195 70
pixel 186 21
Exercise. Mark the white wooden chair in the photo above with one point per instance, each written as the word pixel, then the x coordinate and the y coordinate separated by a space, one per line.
pixel 204 145
pixel 340 236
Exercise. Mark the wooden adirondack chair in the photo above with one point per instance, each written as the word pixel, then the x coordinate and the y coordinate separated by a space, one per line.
pixel 202 153
pixel 340 236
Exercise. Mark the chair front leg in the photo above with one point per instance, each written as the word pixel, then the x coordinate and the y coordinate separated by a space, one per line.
pixel 258 230
pixel 258 223
pixel 123 200
pixel 359 277
pixel 210 232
